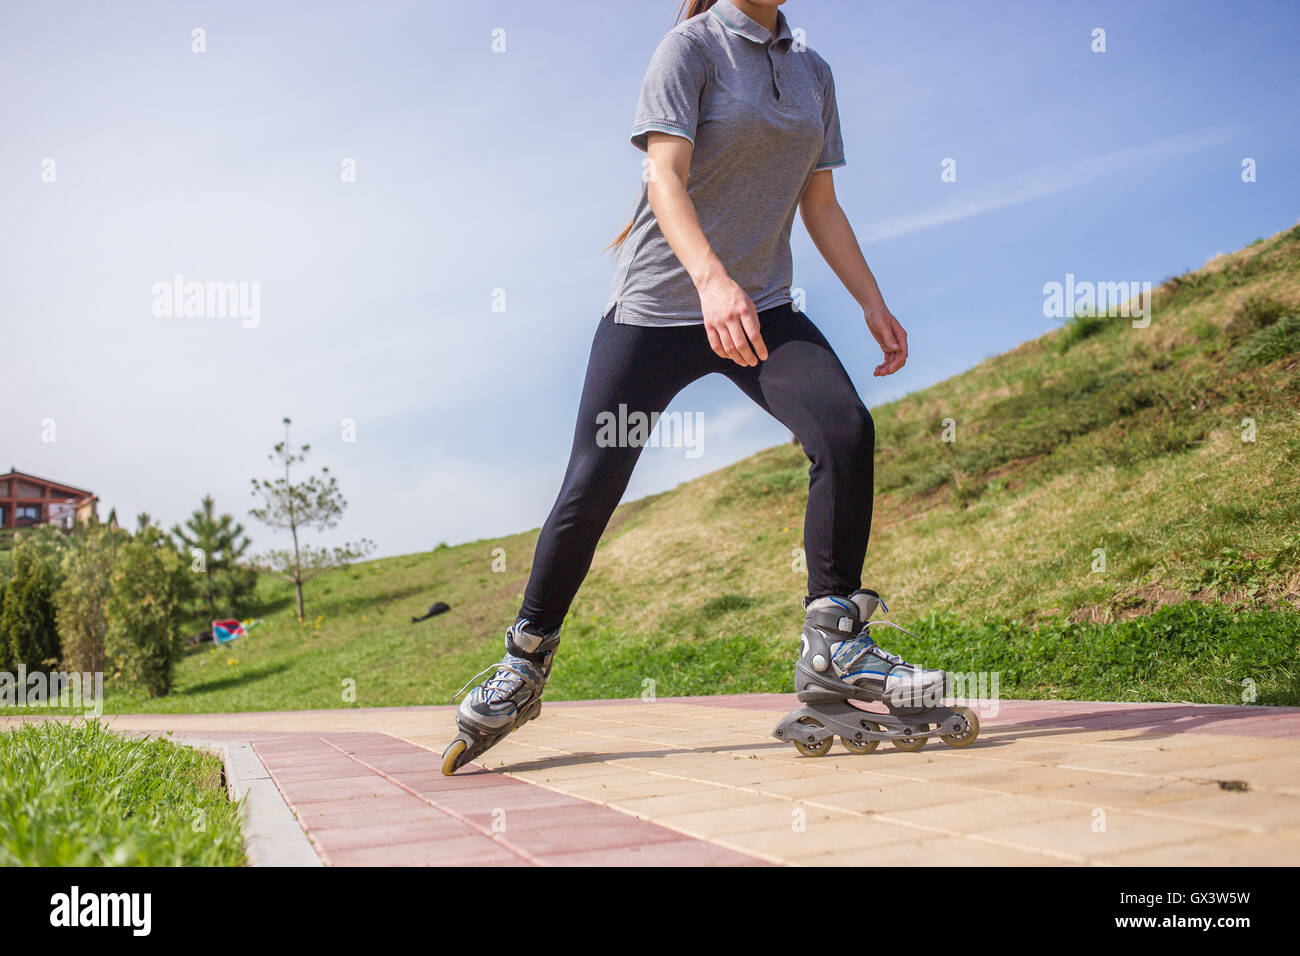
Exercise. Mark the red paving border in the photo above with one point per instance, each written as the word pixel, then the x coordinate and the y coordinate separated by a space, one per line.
pixel 369 799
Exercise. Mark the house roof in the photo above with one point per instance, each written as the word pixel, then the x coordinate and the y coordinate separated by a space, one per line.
pixel 15 473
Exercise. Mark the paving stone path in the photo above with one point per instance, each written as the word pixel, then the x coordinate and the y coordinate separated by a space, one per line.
pixel 699 781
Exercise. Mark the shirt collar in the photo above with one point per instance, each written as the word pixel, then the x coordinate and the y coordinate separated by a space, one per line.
pixel 742 25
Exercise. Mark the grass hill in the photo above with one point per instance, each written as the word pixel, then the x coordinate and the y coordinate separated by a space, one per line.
pixel 1174 448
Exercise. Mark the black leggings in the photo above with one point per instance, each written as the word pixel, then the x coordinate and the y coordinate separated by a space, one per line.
pixel 802 384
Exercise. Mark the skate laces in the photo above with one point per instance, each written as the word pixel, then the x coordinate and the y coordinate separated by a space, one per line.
pixel 864 646
pixel 507 679
pixel 512 672
pixel 472 680
pixel 867 645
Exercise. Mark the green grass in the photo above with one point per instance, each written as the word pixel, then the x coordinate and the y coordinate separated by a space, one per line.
pixel 1273 342
pixel 73 794
pixel 1174 449
pixel 1192 651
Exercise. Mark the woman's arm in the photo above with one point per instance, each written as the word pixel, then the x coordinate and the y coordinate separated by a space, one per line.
pixel 729 316
pixel 834 239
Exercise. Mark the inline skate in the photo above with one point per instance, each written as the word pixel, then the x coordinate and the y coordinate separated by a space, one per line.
pixel 511 697
pixel 840 663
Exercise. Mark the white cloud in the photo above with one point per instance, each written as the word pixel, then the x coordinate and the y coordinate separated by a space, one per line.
pixel 1039 183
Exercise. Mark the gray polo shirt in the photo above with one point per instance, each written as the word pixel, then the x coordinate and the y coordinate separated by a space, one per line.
pixel 761 116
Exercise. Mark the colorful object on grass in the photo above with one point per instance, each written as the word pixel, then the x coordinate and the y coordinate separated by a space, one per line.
pixel 223 632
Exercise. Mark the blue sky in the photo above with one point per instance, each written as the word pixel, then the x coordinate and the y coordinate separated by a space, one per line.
pixel 478 171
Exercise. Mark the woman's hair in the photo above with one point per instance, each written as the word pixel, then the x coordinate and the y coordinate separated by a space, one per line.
pixel 688 9
pixel 693 8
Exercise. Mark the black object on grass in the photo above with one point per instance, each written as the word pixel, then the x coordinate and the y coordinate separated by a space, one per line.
pixel 439 608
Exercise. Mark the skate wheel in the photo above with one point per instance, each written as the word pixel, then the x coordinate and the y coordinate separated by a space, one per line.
pixel 911 744
pixel 972 729
pixel 865 746
pixel 812 750
pixel 451 755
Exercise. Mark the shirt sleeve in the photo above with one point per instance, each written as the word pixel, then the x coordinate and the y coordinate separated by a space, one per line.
pixel 832 154
pixel 671 90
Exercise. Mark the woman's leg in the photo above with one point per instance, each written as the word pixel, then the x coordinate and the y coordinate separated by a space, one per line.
pixel 805 387
pixel 632 375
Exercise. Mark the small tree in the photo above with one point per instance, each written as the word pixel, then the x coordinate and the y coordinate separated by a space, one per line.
pixel 224 583
pixel 314 503
pixel 147 591
pixel 28 625
pixel 82 602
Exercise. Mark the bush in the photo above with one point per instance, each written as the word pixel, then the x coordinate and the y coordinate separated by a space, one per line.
pixel 147 591
pixel 82 602
pixel 29 634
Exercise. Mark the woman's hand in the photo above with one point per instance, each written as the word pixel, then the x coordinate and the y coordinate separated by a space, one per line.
pixel 834 239
pixel 889 333
pixel 731 321
pixel 729 316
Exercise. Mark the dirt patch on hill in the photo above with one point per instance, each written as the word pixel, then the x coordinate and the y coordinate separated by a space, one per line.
pixel 1129 605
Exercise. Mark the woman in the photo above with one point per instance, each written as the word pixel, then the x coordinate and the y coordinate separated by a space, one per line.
pixel 740 127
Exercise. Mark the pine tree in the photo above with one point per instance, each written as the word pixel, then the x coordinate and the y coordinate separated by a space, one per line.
pixel 314 503
pixel 217 546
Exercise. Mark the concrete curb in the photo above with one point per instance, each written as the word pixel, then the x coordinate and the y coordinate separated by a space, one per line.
pixel 272 834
